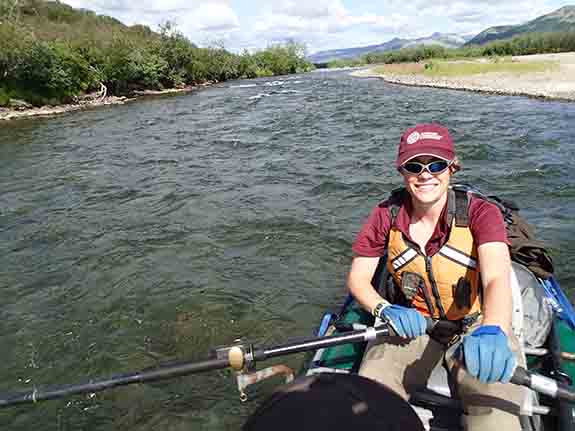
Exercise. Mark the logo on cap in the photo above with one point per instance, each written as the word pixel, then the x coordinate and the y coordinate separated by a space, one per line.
pixel 416 136
pixel 413 138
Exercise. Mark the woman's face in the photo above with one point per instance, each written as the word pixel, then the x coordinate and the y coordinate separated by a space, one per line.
pixel 426 188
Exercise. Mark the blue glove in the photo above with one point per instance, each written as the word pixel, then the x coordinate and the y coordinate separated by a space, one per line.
pixel 488 356
pixel 407 322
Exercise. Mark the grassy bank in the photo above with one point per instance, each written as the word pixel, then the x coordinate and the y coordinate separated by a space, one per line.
pixel 448 68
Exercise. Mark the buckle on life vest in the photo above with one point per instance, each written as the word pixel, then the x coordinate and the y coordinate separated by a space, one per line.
pixel 411 284
pixel 448 332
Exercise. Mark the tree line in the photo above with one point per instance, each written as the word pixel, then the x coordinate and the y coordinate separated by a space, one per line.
pixel 51 53
pixel 530 43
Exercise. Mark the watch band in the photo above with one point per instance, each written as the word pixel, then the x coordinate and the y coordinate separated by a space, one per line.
pixel 379 307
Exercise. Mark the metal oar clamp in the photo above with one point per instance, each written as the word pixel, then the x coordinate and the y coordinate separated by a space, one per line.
pixel 239 355
pixel 241 359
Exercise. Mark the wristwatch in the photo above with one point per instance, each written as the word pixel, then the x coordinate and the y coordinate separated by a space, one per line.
pixel 379 307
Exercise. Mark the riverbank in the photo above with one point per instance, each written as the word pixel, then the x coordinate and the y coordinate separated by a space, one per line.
pixel 42 111
pixel 557 82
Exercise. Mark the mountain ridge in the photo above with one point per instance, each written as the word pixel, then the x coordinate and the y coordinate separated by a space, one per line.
pixel 448 40
pixel 562 19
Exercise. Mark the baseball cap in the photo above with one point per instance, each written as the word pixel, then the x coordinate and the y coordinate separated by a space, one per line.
pixel 425 139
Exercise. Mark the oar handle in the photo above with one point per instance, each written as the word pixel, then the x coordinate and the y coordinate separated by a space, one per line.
pixel 542 384
pixel 537 382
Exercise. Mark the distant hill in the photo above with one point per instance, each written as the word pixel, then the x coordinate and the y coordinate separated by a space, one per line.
pixel 558 21
pixel 448 40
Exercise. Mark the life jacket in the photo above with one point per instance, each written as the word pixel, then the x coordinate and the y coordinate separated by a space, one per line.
pixel 446 285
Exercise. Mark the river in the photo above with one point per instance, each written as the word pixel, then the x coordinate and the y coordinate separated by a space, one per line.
pixel 159 229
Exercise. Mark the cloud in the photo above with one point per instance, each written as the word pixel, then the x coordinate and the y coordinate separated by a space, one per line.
pixel 211 17
pixel 308 9
pixel 306 18
pixel 493 11
pixel 191 17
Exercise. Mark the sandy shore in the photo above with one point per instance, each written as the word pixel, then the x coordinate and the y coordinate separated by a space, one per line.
pixel 11 114
pixel 557 84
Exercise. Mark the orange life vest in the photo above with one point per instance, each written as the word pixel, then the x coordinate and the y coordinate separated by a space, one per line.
pixel 448 283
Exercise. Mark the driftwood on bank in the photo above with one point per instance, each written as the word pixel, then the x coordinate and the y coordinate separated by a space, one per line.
pixel 93 97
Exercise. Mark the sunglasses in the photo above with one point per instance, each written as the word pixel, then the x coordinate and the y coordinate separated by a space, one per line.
pixel 434 168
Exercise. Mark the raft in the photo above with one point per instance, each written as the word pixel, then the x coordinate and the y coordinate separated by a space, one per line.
pixel 437 408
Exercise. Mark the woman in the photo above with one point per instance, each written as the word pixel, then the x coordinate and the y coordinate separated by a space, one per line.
pixel 448 256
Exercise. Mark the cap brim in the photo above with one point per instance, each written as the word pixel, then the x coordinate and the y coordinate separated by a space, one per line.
pixel 436 153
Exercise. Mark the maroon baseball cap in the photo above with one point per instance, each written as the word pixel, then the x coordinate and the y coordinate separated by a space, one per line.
pixel 425 139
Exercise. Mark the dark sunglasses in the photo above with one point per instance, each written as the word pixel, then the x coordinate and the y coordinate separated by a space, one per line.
pixel 434 168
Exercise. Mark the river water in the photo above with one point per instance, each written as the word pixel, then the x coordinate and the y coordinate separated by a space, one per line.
pixel 159 229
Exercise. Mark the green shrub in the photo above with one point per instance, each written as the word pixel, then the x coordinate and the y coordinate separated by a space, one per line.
pixel 4 97
pixel 51 70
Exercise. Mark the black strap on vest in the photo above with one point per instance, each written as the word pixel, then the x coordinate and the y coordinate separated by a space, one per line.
pixel 461 208
pixel 395 200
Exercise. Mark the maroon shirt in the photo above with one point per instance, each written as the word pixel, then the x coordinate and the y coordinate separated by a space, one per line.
pixel 485 221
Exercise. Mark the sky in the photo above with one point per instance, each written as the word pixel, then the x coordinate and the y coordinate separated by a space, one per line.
pixel 319 24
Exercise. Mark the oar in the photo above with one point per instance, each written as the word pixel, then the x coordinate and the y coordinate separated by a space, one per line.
pixel 240 356
pixel 236 357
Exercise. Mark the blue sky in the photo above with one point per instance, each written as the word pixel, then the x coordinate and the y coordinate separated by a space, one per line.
pixel 320 24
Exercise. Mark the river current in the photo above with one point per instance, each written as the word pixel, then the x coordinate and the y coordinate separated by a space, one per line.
pixel 154 231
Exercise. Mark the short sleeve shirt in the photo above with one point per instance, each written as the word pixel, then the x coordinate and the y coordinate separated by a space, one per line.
pixel 485 222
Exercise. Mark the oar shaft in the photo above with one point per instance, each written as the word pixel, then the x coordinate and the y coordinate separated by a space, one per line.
pixel 121 380
pixel 320 343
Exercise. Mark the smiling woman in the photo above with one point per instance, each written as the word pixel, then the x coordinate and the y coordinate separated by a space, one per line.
pixel 440 254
